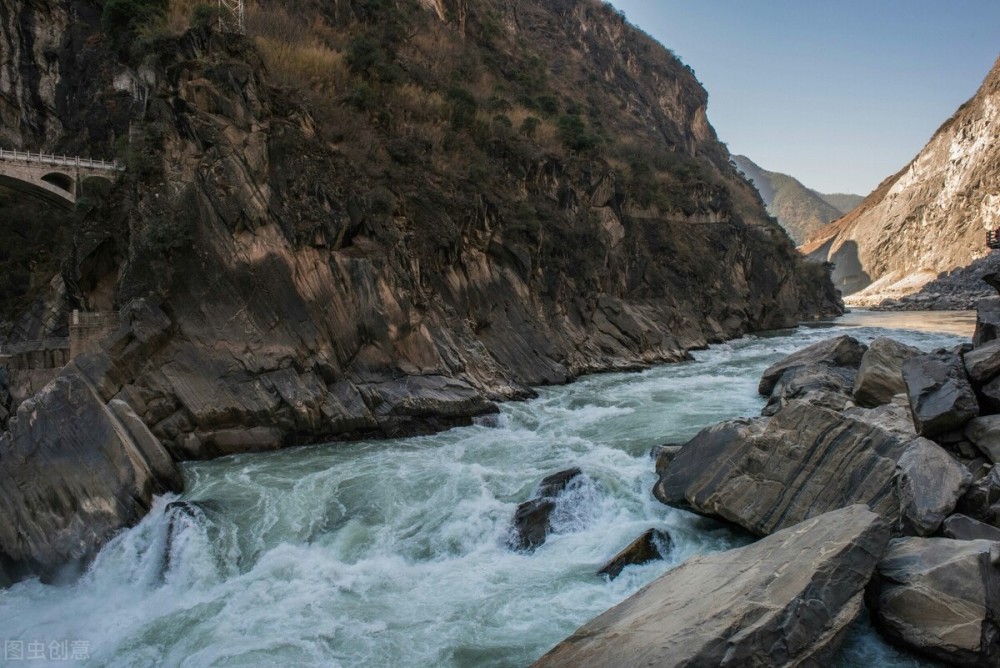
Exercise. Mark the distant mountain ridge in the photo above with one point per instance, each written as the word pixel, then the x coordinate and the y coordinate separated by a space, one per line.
pixel 929 218
pixel 845 202
pixel 800 210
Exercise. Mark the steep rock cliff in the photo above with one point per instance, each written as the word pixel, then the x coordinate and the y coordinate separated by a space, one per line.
pixel 929 218
pixel 282 261
pixel 392 249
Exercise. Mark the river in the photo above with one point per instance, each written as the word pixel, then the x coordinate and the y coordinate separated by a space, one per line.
pixel 393 553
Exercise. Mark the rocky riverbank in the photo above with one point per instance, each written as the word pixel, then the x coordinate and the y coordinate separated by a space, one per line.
pixel 958 290
pixel 870 476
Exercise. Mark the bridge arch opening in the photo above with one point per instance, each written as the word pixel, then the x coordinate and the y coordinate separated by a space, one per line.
pixel 60 180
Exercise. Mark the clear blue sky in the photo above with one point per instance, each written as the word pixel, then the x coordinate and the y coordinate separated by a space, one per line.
pixel 838 93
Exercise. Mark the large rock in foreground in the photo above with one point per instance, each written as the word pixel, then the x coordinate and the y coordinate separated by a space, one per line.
pixel 768 475
pixel 779 602
pixel 941 397
pixel 941 597
pixel 880 376
pixel 929 484
pixel 73 471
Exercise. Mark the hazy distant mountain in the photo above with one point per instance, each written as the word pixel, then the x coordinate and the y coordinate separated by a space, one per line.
pixel 931 217
pixel 800 210
pixel 845 202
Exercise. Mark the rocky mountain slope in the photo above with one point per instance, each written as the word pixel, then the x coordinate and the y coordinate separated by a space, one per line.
pixel 800 210
pixel 929 218
pixel 368 218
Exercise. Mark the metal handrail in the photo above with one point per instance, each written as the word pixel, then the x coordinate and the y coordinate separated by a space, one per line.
pixel 60 160
pixel 95 318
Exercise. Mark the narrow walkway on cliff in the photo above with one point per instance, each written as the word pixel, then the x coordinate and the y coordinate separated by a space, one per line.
pixel 54 178
pixel 86 328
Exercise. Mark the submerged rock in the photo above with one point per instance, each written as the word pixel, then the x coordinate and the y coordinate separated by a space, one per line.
pixel 842 351
pixel 880 376
pixel 650 546
pixel 771 474
pixel 941 397
pixel 557 482
pixel 532 519
pixel 782 601
pixel 941 597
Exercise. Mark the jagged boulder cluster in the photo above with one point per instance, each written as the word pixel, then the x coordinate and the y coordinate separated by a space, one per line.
pixel 872 480
pixel 915 437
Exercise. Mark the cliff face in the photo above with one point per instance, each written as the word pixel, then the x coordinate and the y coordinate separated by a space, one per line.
pixel 932 216
pixel 394 248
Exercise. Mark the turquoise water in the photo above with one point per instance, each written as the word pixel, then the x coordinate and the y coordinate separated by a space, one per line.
pixel 392 553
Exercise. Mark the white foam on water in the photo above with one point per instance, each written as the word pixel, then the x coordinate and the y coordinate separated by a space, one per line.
pixel 395 552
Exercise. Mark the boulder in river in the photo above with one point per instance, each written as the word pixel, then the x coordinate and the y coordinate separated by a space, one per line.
pixel 650 546
pixel 982 364
pixel 785 600
pixel 664 454
pixel 820 385
pixel 842 351
pixel 982 500
pixel 960 527
pixel 894 416
pixel 987 321
pixel 940 395
pixel 930 483
pixel 984 432
pixel 773 473
pixel 989 397
pixel 532 519
pixel 940 597
pixel 73 472
pixel 880 376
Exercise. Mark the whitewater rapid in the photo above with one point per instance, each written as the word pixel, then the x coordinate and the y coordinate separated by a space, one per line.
pixel 393 553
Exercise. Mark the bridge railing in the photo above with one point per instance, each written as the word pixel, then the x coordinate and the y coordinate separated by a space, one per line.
pixel 60 160
pixel 94 318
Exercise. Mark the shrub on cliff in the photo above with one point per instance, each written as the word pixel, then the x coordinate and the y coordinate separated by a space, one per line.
pixel 122 19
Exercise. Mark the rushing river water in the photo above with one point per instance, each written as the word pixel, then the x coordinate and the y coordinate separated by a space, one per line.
pixel 393 553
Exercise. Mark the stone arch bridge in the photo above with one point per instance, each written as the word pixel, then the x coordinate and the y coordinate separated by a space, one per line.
pixel 54 178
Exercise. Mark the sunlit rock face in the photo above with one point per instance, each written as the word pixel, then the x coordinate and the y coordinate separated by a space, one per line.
pixel 929 218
